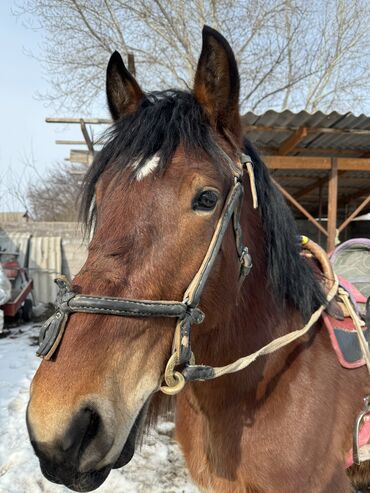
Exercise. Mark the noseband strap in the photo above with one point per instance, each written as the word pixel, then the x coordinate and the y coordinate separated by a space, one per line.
pixel 187 312
pixel 67 302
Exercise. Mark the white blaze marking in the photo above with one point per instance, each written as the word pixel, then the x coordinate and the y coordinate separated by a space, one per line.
pixel 148 168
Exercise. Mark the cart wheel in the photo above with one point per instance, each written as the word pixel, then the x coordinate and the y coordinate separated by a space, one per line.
pixel 27 310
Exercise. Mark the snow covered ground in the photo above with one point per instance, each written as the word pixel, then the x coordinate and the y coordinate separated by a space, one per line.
pixel 157 468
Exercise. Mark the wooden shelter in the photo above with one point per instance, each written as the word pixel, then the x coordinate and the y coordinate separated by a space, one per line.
pixel 320 162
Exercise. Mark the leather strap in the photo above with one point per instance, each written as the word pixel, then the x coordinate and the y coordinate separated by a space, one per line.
pixel 68 302
pixel 193 293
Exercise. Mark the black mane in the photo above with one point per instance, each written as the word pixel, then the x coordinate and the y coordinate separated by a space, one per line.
pixel 164 120
pixel 170 118
pixel 291 278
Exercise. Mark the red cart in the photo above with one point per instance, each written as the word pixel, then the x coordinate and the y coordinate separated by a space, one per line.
pixel 20 303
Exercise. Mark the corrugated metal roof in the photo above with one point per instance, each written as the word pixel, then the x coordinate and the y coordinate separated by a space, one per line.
pixel 270 130
pixel 44 265
pixel 291 121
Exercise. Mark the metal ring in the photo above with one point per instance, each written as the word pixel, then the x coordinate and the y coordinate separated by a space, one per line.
pixel 174 379
pixel 177 387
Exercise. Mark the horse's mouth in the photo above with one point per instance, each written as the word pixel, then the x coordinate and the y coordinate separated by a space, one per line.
pixel 82 482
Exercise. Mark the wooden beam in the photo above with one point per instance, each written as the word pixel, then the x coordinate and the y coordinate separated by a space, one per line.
pixel 86 135
pixel 320 213
pixel 77 172
pixel 355 213
pixel 290 143
pixel 332 204
pixel 89 121
pixel 318 151
pixel 310 130
pixel 297 162
pixel 298 206
pixel 79 143
pixel 353 164
pixel 82 157
pixel 131 64
pixel 311 162
pixel 331 151
pixel 71 142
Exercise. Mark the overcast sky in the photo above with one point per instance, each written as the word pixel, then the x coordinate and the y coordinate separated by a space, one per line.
pixel 23 131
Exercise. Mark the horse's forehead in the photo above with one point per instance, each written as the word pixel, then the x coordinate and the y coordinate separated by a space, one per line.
pixel 188 162
pixel 140 178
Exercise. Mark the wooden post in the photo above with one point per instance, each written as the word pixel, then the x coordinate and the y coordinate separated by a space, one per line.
pixel 332 204
pixel 320 214
pixel 131 64
pixel 346 213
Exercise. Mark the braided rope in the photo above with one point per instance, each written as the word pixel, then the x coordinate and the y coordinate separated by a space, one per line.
pixel 173 378
pixel 278 343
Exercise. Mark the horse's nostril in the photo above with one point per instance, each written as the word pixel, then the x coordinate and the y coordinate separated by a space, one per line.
pixel 91 431
pixel 81 432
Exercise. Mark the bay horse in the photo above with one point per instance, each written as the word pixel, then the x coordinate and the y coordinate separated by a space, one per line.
pixel 153 197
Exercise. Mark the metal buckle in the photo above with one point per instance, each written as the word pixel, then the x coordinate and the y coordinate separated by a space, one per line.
pixel 244 159
pixel 246 261
pixel 196 316
pixel 356 430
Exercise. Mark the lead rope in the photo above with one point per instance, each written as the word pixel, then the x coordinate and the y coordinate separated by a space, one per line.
pixel 278 343
pixel 177 379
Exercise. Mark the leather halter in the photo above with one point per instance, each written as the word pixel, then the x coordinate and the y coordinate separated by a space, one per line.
pixel 187 311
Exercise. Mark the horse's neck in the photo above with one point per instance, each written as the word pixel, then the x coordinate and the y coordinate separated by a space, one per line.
pixel 256 320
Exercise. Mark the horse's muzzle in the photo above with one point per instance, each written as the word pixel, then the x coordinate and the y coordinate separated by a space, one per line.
pixel 73 458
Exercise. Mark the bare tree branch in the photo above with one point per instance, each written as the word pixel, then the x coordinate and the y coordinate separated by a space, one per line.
pixel 55 196
pixel 290 52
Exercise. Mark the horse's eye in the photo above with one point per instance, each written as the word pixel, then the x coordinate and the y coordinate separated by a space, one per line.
pixel 205 201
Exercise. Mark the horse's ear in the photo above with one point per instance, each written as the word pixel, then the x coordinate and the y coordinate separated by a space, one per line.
pixel 216 85
pixel 123 92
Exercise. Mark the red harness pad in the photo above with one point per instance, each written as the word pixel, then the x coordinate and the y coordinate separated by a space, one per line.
pixel 343 334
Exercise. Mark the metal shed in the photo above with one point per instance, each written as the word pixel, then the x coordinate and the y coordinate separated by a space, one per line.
pixel 320 162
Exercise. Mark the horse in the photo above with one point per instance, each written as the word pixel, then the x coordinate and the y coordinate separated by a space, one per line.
pixel 153 198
